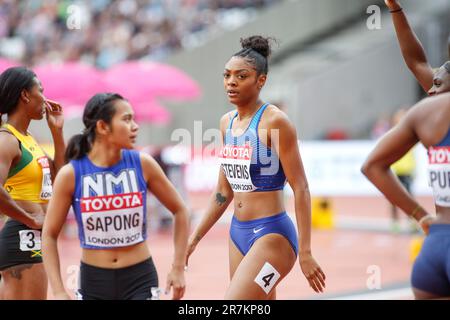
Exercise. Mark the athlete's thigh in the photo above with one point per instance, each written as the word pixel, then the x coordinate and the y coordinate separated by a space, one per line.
pixel 25 282
pixel 269 260
pixel 235 257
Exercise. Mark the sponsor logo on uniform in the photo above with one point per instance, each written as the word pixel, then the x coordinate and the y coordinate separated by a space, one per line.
pixel 439 155
pixel 114 216
pixel 236 152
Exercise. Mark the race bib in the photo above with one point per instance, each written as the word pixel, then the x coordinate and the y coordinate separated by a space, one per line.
pixel 439 174
pixel 30 240
pixel 113 221
pixel 267 277
pixel 46 187
pixel 235 163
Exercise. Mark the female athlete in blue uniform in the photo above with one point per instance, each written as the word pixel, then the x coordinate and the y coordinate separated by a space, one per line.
pixel 259 153
pixel 429 123
pixel 106 183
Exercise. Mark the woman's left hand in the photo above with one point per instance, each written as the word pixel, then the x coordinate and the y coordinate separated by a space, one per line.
pixel 54 115
pixel 312 272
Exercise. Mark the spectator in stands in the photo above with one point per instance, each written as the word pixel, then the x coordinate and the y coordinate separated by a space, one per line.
pixel 105 32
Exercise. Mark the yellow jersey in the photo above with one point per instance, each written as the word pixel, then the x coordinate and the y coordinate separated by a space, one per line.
pixel 30 178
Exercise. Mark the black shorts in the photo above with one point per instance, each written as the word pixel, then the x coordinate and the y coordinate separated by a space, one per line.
pixel 137 282
pixel 19 244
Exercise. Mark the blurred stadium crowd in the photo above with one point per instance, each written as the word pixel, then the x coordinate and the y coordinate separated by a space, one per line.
pixel 112 31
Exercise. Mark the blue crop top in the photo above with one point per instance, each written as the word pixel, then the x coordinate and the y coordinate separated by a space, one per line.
pixel 248 164
pixel 110 203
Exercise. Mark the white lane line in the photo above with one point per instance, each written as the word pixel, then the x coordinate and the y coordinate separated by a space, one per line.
pixel 393 294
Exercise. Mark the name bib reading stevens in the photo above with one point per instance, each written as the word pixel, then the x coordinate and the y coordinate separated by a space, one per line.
pixel 439 174
pixel 235 162
pixel 113 221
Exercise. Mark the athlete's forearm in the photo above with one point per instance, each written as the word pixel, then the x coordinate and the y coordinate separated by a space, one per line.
pixel 218 203
pixel 181 233
pixel 385 180
pixel 410 45
pixel 303 215
pixel 51 263
pixel 10 208
pixel 60 149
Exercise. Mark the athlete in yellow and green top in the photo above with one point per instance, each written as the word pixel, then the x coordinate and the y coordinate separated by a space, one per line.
pixel 26 174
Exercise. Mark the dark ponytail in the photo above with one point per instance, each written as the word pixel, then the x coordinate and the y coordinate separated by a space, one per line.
pixel 12 82
pixel 256 50
pixel 99 107
pixel 78 146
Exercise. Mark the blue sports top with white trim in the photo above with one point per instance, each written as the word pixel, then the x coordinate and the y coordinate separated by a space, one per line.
pixel 110 202
pixel 249 164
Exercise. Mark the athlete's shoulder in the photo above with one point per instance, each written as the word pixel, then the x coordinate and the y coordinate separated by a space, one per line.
pixel 226 118
pixel 65 180
pixel 443 98
pixel 8 141
pixel 275 117
pixel 66 172
pixel 147 161
pixel 429 107
pixel 6 135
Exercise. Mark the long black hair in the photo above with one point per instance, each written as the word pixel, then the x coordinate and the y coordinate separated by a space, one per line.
pixel 12 82
pixel 99 107
pixel 256 50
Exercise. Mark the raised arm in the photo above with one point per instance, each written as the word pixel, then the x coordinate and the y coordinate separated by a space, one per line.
pixel 54 220
pixel 289 154
pixel 166 193
pixel 412 50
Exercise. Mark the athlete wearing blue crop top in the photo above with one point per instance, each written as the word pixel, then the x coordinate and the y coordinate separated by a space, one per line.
pixel 429 123
pixel 106 184
pixel 258 155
